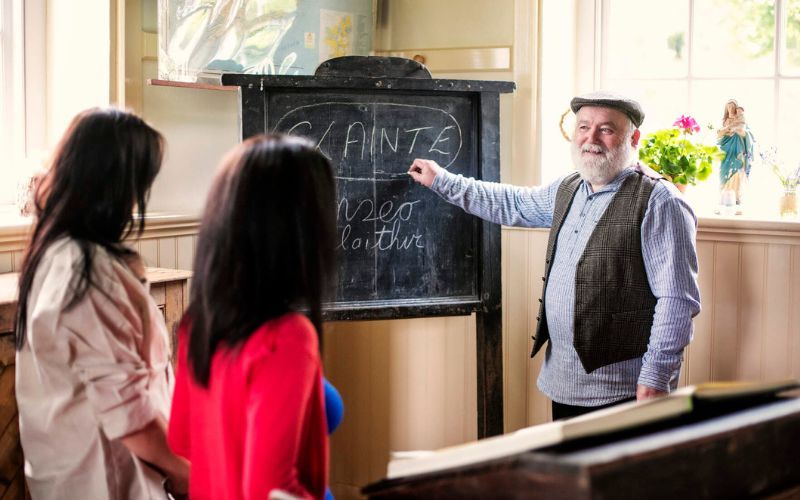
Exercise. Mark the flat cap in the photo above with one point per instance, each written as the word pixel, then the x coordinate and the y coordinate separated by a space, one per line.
pixel 606 99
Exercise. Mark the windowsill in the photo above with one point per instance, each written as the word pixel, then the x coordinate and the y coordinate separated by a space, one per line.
pixel 748 229
pixel 733 222
pixel 745 221
pixel 735 228
pixel 13 222
pixel 14 228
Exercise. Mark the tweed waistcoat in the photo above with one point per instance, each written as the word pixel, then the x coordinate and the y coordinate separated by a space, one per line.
pixel 614 305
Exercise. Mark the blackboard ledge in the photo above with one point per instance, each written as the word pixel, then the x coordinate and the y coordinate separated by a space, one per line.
pixel 401 308
pixel 364 83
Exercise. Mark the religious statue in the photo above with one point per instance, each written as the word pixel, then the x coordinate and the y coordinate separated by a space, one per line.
pixel 736 141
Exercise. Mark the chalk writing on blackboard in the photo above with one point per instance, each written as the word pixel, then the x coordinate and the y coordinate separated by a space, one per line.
pixel 352 131
pixel 395 240
pixel 390 235
pixel 375 142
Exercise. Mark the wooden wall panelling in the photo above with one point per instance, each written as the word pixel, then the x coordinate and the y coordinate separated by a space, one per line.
pixel 794 312
pixel 379 399
pixel 437 358
pixel 750 352
pixel 148 249
pixel 360 389
pixel 17 257
pixel 515 322
pixel 398 370
pixel 697 367
pixel 538 403
pixel 184 252
pixel 6 262
pixel 406 385
pixel 455 385
pixel 347 356
pixel 523 267
pixel 417 412
pixel 776 339
pixel 470 382
pixel 167 253
pixel 338 450
pixel 724 331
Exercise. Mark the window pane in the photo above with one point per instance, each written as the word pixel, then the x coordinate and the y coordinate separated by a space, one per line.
pixel 662 100
pixel 757 97
pixel 791 39
pixel 788 136
pixel 646 39
pixel 734 38
pixel 5 132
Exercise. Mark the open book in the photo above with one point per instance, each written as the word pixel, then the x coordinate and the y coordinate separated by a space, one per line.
pixel 617 418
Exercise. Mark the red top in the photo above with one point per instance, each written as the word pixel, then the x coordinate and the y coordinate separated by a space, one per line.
pixel 260 425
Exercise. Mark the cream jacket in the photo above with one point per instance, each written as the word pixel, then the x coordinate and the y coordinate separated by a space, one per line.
pixel 88 376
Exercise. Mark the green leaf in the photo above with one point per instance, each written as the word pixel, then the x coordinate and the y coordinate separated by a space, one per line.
pixel 675 156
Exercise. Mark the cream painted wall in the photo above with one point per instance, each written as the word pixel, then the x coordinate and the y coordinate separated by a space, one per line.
pixel 200 126
pixel 425 24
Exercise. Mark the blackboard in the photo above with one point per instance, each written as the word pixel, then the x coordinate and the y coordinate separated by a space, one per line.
pixel 396 240
pixel 402 251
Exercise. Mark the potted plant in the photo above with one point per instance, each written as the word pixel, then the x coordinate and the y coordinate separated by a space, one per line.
pixel 789 179
pixel 677 153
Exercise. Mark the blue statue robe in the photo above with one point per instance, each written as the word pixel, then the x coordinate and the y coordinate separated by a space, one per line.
pixel 738 153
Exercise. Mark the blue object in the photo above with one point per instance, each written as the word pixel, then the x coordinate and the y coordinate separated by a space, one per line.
pixel 738 153
pixel 334 406
pixel 334 412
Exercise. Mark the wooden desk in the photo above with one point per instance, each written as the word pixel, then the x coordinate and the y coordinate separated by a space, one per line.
pixel 745 454
pixel 169 289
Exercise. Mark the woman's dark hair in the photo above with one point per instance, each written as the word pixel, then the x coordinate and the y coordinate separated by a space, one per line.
pixel 266 244
pixel 103 166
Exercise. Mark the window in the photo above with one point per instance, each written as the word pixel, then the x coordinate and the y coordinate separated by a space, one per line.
pixel 11 123
pixel 22 98
pixel 691 57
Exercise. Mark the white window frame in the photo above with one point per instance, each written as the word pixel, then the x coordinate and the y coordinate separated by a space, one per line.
pixel 595 22
pixel 591 58
pixel 23 92
pixel 12 117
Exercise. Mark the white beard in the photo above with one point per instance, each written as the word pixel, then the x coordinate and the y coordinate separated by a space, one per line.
pixel 601 170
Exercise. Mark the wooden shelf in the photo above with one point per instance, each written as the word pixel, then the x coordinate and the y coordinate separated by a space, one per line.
pixel 190 85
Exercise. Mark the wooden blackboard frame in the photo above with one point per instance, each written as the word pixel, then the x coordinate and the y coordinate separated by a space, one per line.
pixel 255 97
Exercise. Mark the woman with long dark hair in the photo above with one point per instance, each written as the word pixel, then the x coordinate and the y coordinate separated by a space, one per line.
pixel 93 378
pixel 248 410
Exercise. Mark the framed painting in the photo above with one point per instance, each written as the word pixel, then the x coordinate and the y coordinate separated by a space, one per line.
pixel 267 37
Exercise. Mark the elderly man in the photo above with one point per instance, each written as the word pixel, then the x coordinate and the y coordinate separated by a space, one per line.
pixel 621 265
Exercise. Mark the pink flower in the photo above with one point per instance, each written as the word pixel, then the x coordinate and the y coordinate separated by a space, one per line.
pixel 687 124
